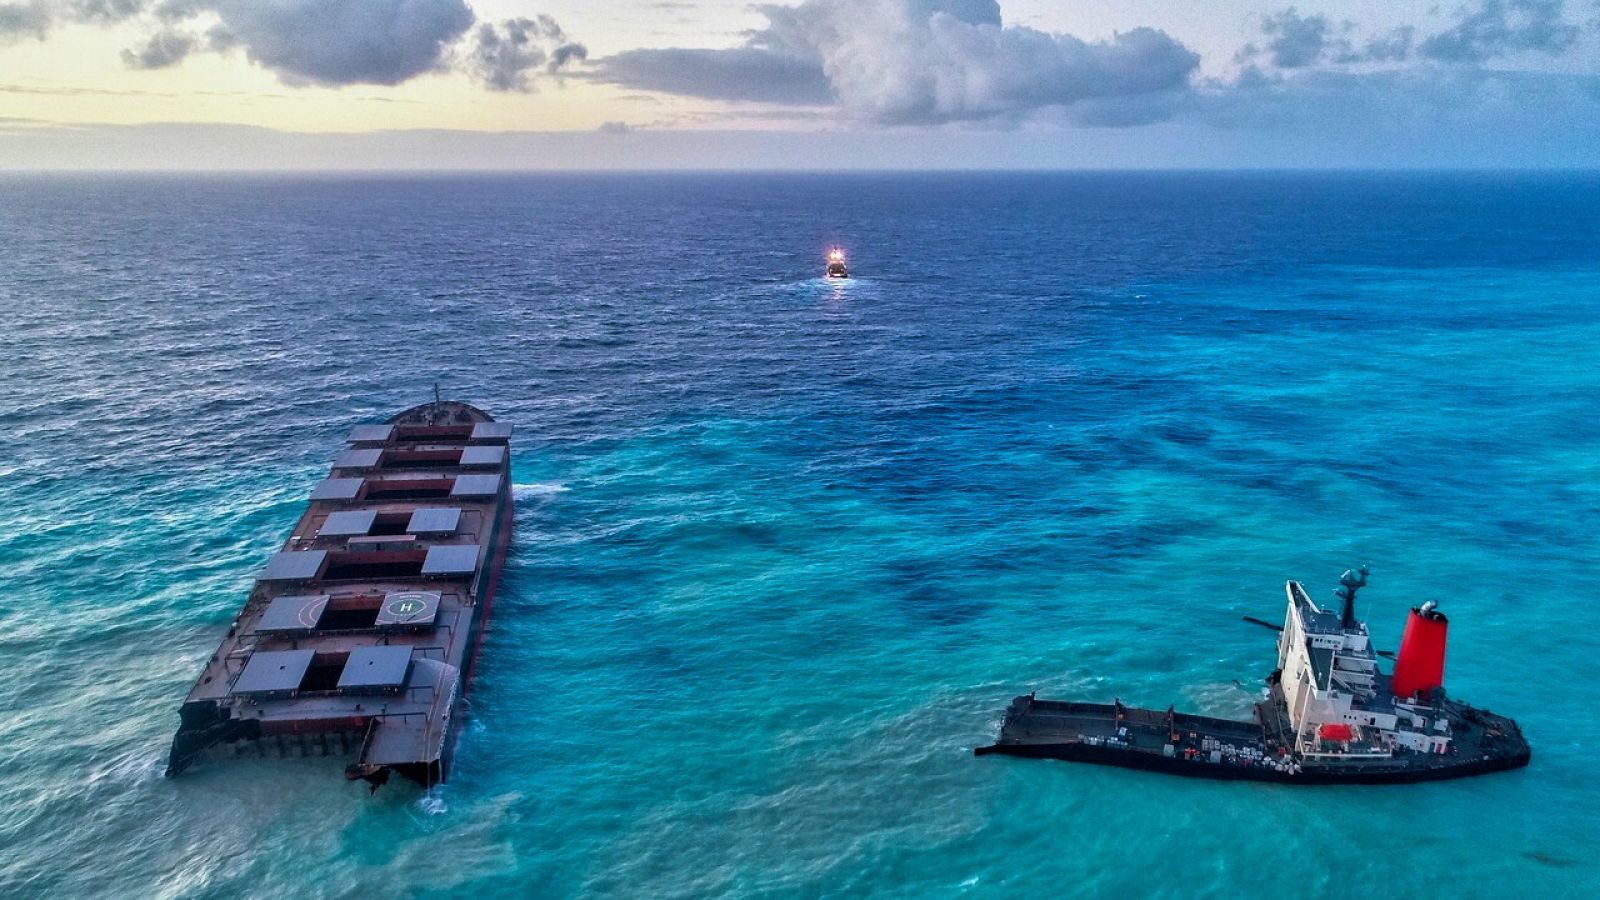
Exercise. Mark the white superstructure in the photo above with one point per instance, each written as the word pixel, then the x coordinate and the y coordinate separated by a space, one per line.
pixel 1339 703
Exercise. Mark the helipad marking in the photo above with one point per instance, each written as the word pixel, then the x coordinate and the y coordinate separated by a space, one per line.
pixel 405 606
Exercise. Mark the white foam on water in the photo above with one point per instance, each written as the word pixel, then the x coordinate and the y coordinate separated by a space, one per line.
pixel 432 802
pixel 524 492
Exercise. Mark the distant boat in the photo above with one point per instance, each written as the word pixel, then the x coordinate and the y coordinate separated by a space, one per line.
pixel 836 267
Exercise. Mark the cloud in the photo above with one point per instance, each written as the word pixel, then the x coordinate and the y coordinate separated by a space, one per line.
pixel 1392 47
pixel 1309 75
pixel 1479 32
pixel 1295 41
pixel 911 62
pixel 339 42
pixel 567 54
pixel 179 10
pixel 1414 103
pixel 1502 27
pixel 162 50
pixel 61 91
pixel 102 10
pixel 503 56
pixel 753 74
pixel 304 42
pixel 330 43
pixel 35 18
pixel 1128 112
pixel 24 20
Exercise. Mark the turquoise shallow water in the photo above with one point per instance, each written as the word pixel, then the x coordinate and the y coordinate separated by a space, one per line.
pixel 785 548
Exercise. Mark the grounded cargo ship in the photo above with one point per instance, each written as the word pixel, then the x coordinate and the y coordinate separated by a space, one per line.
pixel 1328 714
pixel 360 636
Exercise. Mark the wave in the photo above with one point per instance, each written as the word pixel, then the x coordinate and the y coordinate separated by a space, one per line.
pixel 524 492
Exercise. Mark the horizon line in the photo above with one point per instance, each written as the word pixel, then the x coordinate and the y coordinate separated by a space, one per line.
pixel 819 171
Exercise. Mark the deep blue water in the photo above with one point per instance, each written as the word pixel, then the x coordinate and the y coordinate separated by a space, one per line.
pixel 786 548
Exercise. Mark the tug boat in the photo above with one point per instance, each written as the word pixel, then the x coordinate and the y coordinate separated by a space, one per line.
pixel 836 267
pixel 1328 714
pixel 360 636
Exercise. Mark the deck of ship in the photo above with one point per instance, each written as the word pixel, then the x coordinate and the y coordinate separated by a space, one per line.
pixel 1208 747
pixel 363 630
pixel 1144 738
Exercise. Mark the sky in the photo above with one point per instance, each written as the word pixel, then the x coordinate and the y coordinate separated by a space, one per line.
pixel 813 84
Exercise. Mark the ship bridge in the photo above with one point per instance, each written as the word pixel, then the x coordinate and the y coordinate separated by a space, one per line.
pixel 1336 700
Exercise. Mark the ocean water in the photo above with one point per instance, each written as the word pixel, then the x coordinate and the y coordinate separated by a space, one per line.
pixel 786 548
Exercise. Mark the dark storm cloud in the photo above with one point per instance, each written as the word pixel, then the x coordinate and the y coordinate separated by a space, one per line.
pixel 911 62
pixel 1496 28
pixel 504 56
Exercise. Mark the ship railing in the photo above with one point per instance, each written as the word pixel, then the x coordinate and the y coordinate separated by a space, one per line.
pixel 1352 686
pixel 1352 754
pixel 1140 717
pixel 372 726
pixel 234 661
pixel 403 716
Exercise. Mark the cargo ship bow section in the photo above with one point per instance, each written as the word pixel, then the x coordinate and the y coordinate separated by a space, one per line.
pixel 360 636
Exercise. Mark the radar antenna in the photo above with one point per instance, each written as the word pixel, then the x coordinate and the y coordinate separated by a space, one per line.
pixel 1349 583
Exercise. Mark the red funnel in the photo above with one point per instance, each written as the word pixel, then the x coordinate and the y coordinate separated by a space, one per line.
pixel 1420 663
